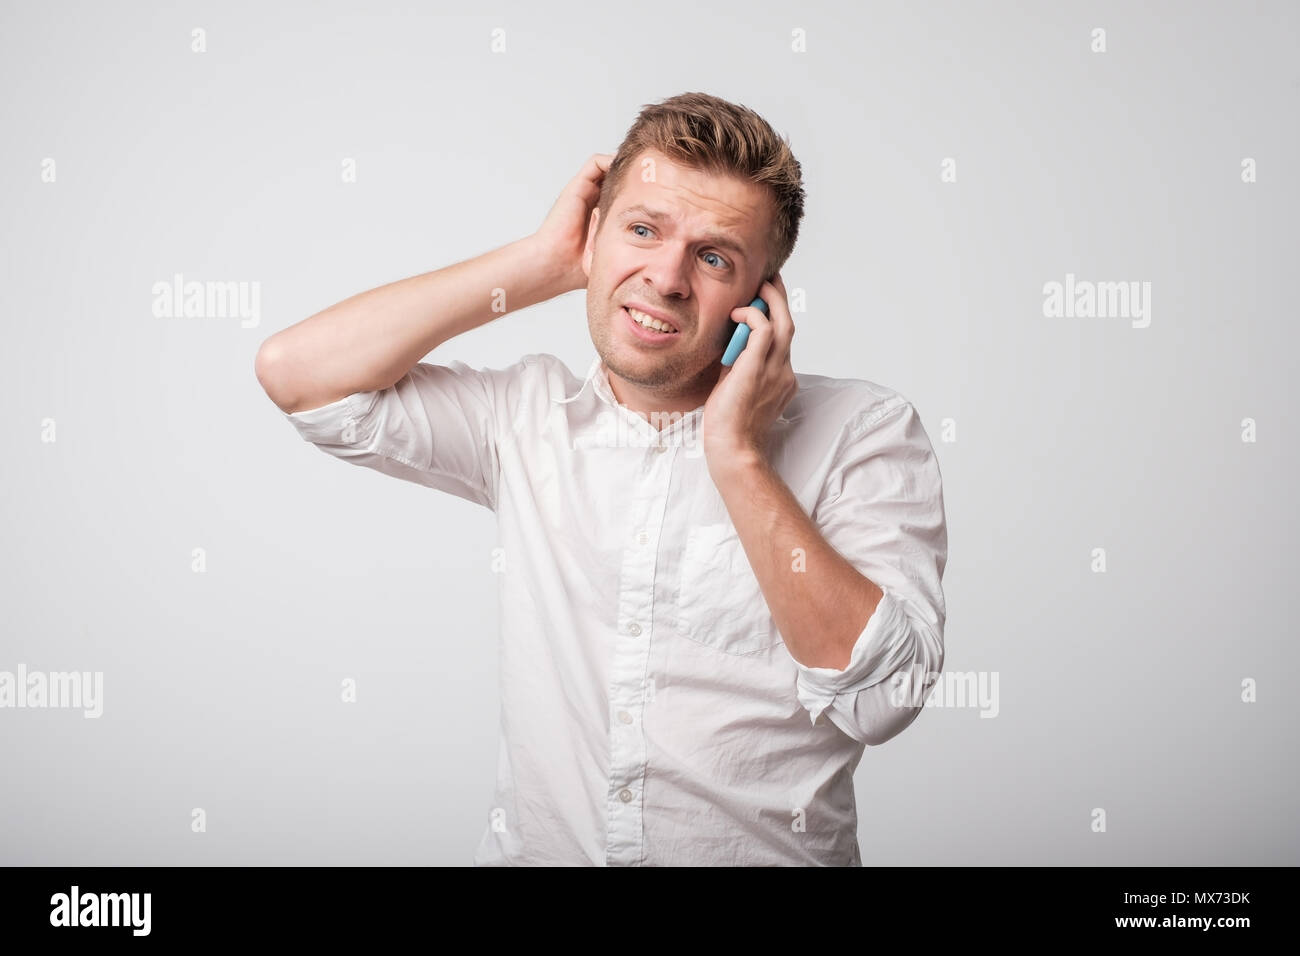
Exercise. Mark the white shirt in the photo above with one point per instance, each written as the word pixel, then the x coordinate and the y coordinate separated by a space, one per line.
pixel 650 713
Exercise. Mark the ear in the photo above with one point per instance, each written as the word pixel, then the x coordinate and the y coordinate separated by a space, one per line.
pixel 590 247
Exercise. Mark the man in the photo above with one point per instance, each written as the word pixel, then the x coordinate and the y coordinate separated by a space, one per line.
pixel 698 637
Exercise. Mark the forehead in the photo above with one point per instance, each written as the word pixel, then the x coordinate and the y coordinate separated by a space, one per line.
pixel 655 184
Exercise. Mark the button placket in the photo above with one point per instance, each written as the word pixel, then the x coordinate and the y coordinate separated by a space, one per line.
pixel 628 663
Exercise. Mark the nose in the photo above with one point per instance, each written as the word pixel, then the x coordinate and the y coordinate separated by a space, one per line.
pixel 668 271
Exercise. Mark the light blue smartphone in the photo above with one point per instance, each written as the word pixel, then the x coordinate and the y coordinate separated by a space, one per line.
pixel 740 335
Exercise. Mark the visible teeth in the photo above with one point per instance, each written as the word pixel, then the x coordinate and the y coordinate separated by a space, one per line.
pixel 649 321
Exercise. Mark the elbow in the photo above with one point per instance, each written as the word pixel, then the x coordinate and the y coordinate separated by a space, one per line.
pixel 888 726
pixel 899 699
pixel 268 366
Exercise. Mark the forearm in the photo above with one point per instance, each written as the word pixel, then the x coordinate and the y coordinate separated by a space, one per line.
pixel 819 601
pixel 370 340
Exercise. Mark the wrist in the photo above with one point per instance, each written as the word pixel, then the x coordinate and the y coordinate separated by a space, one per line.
pixel 554 275
pixel 734 462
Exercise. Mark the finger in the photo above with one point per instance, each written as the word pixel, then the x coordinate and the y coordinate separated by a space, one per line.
pixel 596 168
pixel 781 321
pixel 587 183
pixel 760 330
pixel 780 284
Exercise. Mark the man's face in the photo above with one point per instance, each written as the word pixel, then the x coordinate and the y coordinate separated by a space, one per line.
pixel 689 248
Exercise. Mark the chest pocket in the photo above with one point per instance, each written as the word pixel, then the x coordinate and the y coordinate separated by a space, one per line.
pixel 719 602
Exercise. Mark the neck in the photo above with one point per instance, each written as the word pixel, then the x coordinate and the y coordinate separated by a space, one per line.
pixel 660 405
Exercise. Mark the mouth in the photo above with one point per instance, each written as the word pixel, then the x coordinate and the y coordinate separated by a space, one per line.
pixel 647 327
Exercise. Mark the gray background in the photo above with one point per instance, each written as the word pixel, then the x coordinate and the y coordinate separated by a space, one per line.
pixel 1118 690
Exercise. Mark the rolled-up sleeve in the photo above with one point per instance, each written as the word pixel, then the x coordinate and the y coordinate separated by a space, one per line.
pixel 882 509
pixel 436 426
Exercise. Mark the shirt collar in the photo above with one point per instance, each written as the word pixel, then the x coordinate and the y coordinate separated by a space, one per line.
pixel 599 381
pixel 596 378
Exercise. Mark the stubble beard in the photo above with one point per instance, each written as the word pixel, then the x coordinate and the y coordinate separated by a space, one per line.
pixel 674 374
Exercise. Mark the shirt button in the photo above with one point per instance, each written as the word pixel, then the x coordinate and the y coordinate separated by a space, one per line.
pixel 624 716
pixel 634 629
pixel 625 795
pixel 658 449
pixel 642 537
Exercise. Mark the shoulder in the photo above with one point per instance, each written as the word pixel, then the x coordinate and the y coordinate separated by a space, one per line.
pixel 542 377
pixel 848 405
pixel 522 392
pixel 526 377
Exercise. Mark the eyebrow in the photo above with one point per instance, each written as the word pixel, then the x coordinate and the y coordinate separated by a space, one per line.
pixel 721 239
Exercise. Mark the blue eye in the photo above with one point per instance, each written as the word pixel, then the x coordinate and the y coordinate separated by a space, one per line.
pixel 720 264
